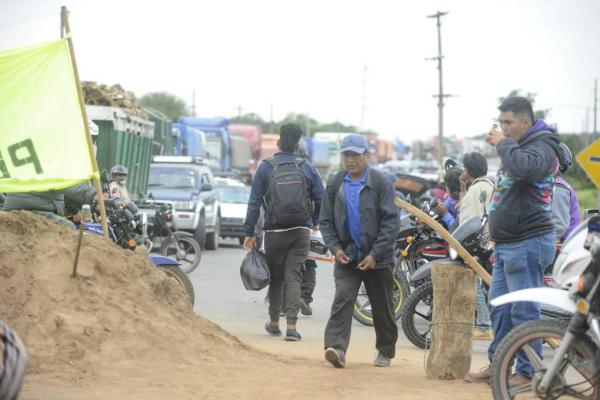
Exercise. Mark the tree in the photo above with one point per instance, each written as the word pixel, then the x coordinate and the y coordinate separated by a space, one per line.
pixel 170 105
pixel 538 114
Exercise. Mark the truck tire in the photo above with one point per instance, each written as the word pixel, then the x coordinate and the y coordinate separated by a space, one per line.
pixel 200 232
pixel 177 273
pixel 212 238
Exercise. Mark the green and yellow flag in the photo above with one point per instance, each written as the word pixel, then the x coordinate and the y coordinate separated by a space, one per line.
pixel 42 133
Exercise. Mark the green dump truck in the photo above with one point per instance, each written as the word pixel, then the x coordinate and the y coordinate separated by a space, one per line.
pixel 124 139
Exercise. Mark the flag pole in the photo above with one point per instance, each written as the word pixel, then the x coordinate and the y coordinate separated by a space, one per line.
pixel 65 24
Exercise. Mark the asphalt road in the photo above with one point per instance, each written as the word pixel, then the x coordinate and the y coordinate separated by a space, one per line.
pixel 221 298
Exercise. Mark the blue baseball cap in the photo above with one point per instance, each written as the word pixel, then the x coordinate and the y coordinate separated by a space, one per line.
pixel 355 143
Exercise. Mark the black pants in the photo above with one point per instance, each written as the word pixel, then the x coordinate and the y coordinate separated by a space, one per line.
pixel 379 284
pixel 309 281
pixel 286 254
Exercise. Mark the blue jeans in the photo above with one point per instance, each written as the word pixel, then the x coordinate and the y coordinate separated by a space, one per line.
pixel 482 321
pixel 518 265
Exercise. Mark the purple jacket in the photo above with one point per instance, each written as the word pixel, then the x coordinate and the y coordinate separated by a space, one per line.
pixel 574 210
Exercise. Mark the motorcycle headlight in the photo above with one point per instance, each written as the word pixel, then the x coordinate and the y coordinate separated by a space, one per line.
pixel 453 253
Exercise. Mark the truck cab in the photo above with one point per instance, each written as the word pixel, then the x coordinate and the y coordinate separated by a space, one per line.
pixel 190 185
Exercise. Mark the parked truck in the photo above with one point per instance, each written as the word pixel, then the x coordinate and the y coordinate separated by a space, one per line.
pixel 252 134
pixel 124 139
pixel 218 141
pixel 326 151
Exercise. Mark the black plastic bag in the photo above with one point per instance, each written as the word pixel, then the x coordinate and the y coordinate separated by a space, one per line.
pixel 255 270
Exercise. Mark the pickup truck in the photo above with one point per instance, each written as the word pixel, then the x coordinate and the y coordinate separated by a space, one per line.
pixel 190 185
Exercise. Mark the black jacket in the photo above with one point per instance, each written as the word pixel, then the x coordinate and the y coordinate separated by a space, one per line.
pixel 379 217
pixel 521 204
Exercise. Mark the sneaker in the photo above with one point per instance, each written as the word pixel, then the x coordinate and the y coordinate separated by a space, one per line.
pixel 305 308
pixel 479 334
pixel 336 357
pixel 382 360
pixel 483 376
pixel 272 329
pixel 292 335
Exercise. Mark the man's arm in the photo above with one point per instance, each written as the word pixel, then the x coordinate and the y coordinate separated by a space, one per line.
pixel 327 220
pixel 316 193
pixel 531 163
pixel 389 223
pixel 257 192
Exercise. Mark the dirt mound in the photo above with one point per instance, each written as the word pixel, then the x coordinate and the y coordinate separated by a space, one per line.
pixel 120 309
pixel 122 330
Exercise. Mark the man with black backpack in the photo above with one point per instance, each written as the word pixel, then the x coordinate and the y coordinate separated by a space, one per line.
pixel 290 189
pixel 359 223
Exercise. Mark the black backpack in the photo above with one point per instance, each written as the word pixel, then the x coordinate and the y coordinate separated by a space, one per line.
pixel 289 205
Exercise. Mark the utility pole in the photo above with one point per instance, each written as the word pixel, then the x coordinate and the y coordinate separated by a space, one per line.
pixel 440 95
pixel 271 119
pixel 363 98
pixel 595 107
pixel 239 109
pixel 193 102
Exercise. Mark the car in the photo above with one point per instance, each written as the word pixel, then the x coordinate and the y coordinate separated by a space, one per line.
pixel 190 185
pixel 233 197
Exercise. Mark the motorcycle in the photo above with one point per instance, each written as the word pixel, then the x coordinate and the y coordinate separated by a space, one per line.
pixel 180 245
pixel 418 306
pixel 417 243
pixel 127 229
pixel 564 354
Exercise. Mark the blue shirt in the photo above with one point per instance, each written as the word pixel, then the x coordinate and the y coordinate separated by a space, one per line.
pixel 352 193
pixel 452 213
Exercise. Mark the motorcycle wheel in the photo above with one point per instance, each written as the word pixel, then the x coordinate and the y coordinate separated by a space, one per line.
pixel 362 306
pixel 416 315
pixel 189 256
pixel 577 375
pixel 174 272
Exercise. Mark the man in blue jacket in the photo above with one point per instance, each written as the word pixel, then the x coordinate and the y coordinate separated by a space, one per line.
pixel 290 189
pixel 359 222
pixel 520 220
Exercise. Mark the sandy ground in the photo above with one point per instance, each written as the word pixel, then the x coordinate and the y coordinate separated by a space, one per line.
pixel 122 330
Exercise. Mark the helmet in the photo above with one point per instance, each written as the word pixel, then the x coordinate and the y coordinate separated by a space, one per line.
pixel 565 157
pixel 118 170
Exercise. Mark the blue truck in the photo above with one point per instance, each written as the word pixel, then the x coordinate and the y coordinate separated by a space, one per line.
pixel 218 140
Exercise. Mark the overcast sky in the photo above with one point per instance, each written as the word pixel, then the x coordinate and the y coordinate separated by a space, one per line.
pixel 309 56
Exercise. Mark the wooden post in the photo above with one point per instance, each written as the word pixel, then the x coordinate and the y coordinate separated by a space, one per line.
pixel 447 236
pixel 453 320
pixel 65 23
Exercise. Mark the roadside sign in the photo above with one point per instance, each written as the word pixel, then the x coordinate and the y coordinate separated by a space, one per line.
pixel 589 160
